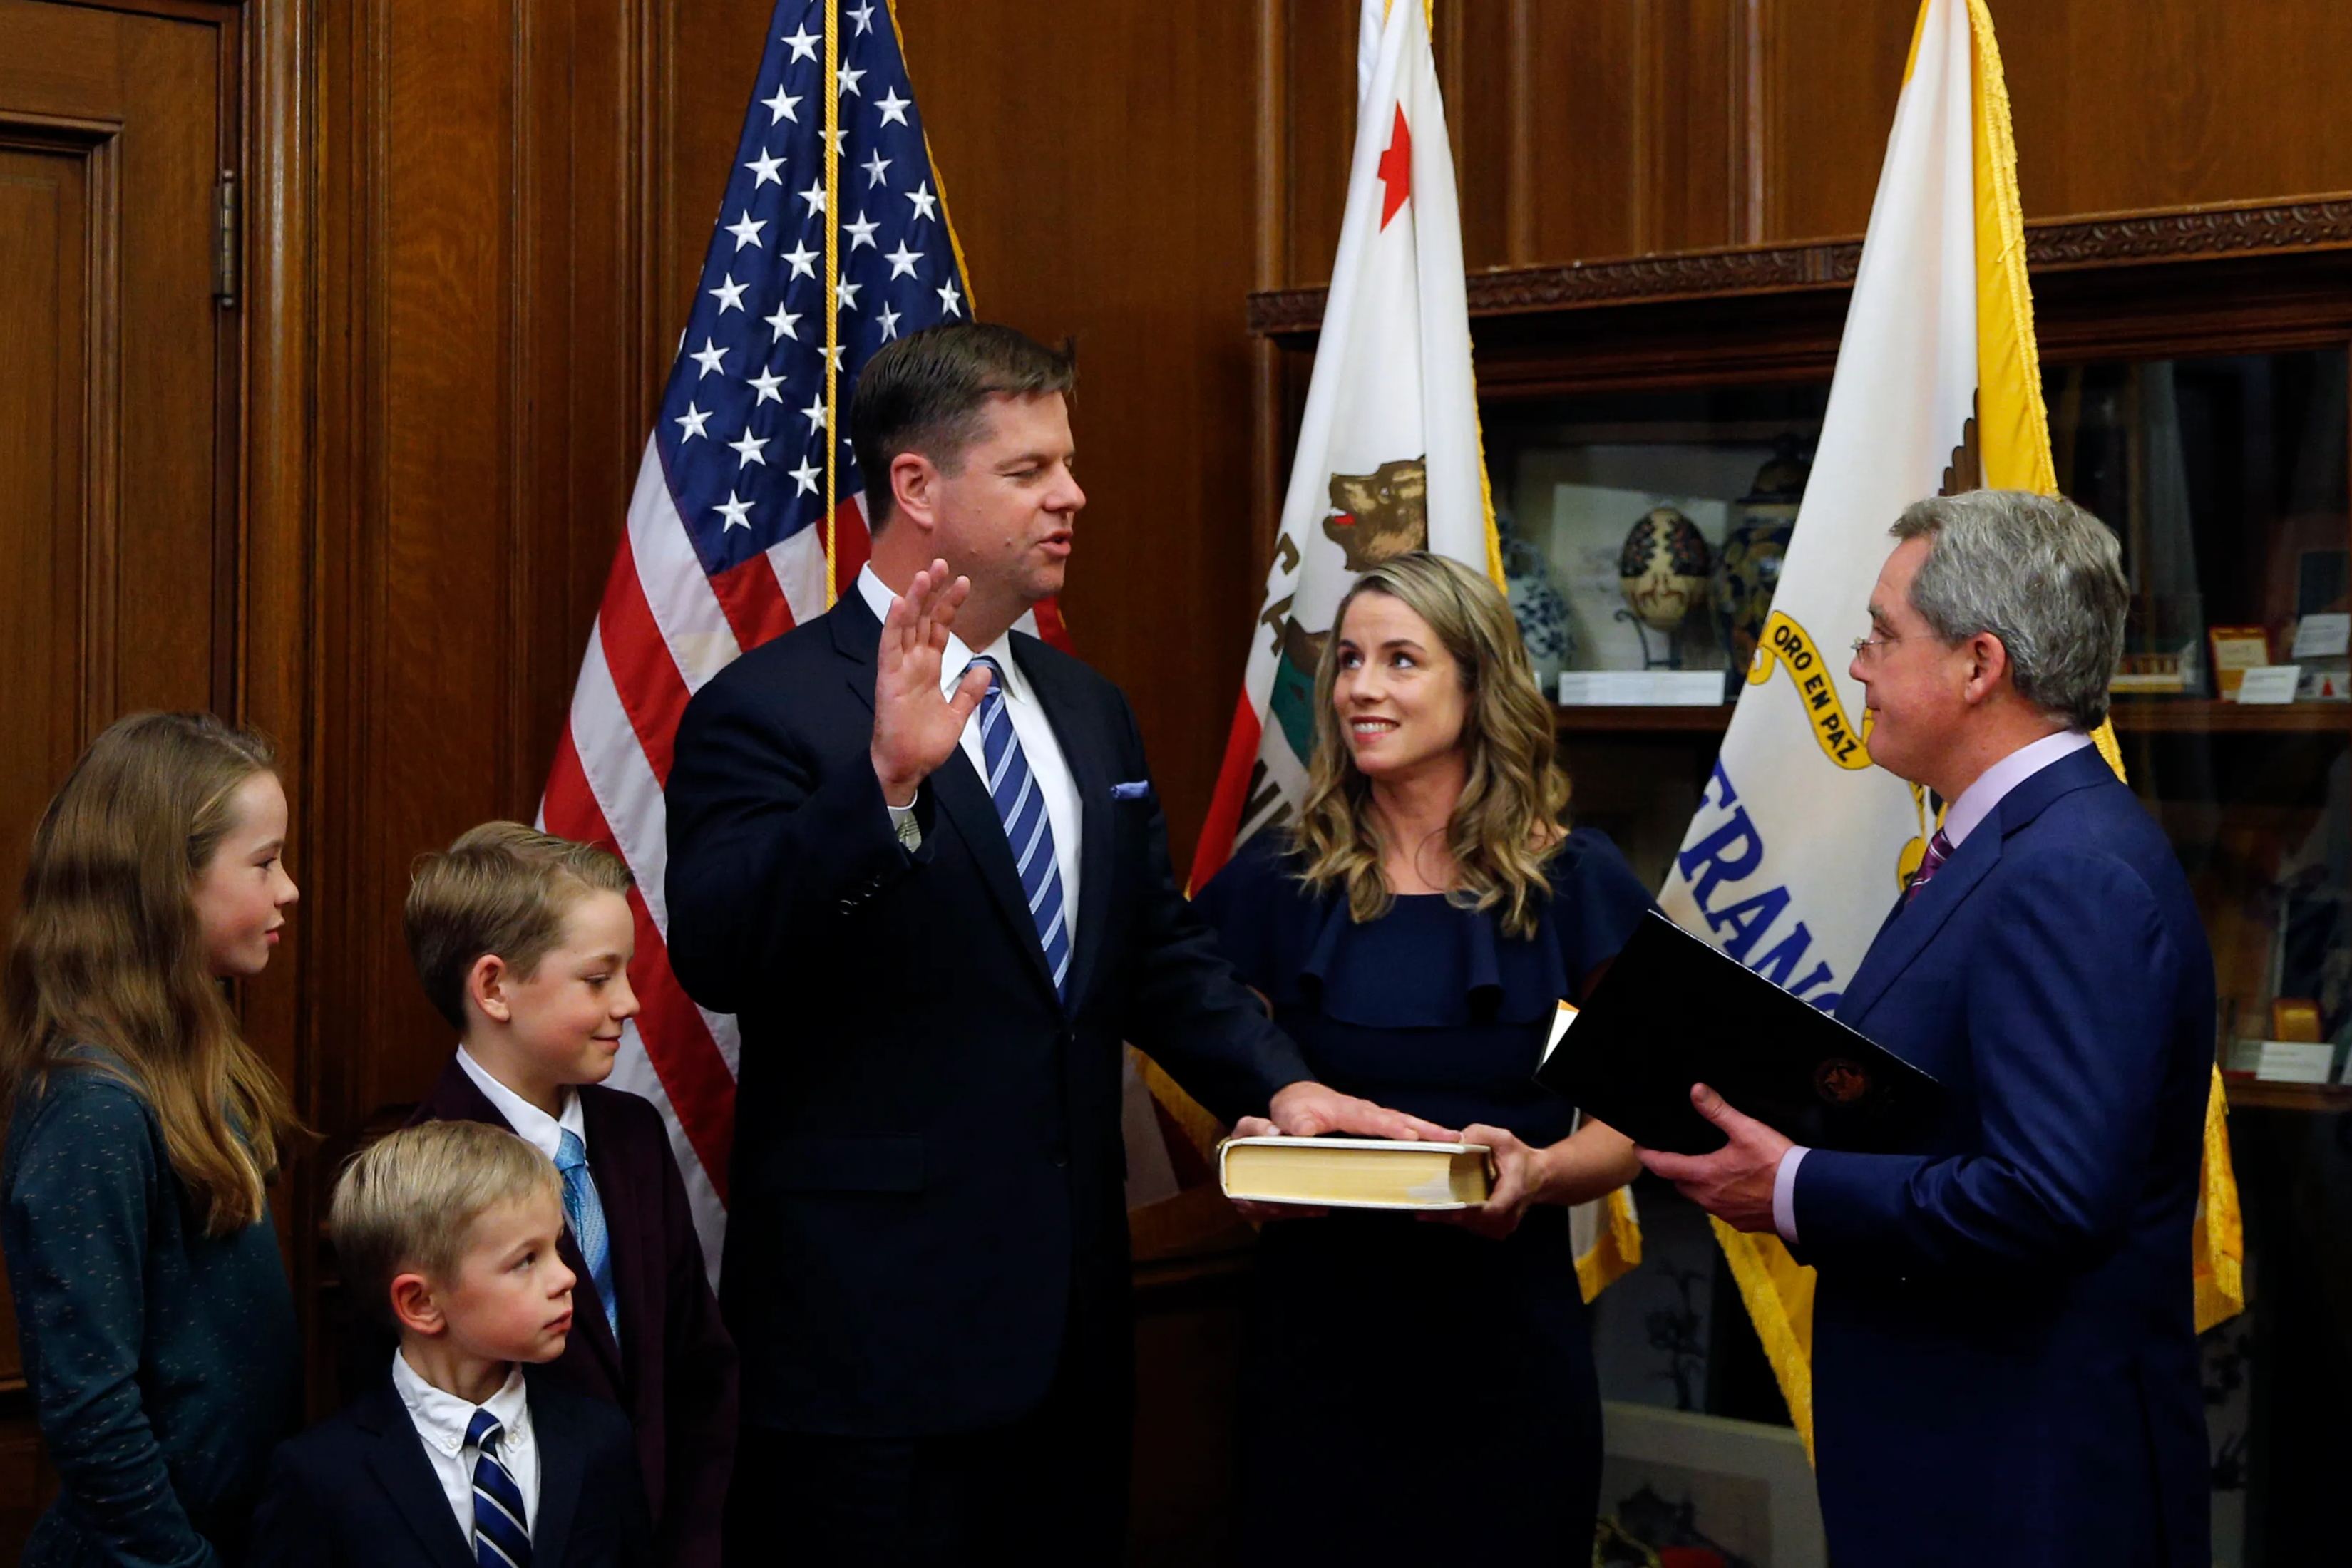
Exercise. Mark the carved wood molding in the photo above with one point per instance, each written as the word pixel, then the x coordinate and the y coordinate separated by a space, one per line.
pixel 2186 234
pixel 2193 233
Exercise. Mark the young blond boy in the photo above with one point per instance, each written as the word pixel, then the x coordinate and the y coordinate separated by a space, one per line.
pixel 467 1453
pixel 523 940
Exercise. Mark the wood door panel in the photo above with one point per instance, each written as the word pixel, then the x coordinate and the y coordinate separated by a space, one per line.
pixel 172 501
pixel 118 419
pixel 53 420
pixel 45 432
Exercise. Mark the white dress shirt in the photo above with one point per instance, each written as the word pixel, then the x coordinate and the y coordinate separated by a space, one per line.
pixel 533 1125
pixel 441 1420
pixel 1030 726
pixel 1960 819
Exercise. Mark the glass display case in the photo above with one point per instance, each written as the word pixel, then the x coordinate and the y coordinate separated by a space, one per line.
pixel 1650 427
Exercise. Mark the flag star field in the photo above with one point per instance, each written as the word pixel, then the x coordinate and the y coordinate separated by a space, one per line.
pixel 744 432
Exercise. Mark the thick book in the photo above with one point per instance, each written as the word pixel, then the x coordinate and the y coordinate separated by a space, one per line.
pixel 1355 1172
pixel 1672 1012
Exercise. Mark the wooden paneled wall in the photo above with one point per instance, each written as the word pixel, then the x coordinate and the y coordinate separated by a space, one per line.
pixel 1617 128
pixel 507 250
pixel 472 227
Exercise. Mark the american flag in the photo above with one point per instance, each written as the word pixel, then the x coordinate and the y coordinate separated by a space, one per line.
pixel 749 511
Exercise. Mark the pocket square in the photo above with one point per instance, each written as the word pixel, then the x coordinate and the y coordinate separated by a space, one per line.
pixel 1134 789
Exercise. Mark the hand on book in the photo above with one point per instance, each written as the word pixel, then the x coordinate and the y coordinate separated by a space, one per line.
pixel 1259 1213
pixel 1519 1180
pixel 1308 1110
pixel 1735 1183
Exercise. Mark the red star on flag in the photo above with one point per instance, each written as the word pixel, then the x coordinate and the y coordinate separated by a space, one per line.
pixel 1396 169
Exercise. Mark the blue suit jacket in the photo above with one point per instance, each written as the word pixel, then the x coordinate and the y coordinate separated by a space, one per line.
pixel 2005 1360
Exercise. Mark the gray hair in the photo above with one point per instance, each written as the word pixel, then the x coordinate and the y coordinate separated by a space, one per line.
pixel 2037 571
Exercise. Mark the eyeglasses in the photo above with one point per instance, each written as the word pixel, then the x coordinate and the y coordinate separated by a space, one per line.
pixel 1867 647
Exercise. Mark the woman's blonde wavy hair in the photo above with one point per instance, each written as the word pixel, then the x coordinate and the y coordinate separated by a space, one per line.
pixel 107 951
pixel 1509 819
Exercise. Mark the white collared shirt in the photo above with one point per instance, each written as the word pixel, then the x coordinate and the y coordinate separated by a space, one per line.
pixel 1030 726
pixel 441 1420
pixel 1960 819
pixel 533 1125
pixel 1977 802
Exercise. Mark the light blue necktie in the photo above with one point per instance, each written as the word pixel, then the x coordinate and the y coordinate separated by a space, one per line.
pixel 502 1538
pixel 585 1211
pixel 1021 807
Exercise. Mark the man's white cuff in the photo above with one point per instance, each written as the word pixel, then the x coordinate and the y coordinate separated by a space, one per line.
pixel 1784 1193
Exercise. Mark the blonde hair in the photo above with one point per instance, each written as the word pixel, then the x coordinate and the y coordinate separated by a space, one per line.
pixel 407 1202
pixel 107 951
pixel 502 888
pixel 1507 822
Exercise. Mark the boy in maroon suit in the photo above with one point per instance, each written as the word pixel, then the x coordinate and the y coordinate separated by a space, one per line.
pixel 523 942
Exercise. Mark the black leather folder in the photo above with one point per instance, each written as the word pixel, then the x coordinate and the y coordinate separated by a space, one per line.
pixel 1672 1012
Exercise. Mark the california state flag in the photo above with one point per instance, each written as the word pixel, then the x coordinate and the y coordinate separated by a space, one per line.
pixel 1799 846
pixel 1388 457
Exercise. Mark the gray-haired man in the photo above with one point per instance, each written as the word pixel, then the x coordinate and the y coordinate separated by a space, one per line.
pixel 2004 1354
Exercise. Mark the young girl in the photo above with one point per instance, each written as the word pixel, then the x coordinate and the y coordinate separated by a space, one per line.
pixel 157 1328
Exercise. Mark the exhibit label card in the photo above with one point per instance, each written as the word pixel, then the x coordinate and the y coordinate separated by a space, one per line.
pixel 2323 636
pixel 2269 683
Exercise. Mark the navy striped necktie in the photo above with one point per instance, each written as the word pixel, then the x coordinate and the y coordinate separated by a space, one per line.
pixel 1021 807
pixel 502 1538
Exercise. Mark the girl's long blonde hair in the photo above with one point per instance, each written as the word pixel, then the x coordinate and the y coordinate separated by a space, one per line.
pixel 107 951
pixel 1507 822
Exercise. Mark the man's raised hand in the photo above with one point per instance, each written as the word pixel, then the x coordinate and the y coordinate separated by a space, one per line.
pixel 916 728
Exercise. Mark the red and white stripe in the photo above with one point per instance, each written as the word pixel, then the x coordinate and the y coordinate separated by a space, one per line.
pixel 664 628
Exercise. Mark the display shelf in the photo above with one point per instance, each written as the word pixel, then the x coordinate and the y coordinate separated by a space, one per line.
pixel 2145 716
pixel 1617 719
pixel 2253 1094
pixel 2135 716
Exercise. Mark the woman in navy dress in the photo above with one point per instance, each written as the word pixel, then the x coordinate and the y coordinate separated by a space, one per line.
pixel 1424 1383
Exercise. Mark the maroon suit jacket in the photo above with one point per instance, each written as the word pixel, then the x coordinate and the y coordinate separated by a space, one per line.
pixel 673 1372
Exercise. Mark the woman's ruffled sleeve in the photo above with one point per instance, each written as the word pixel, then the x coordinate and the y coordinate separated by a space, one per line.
pixel 1597 901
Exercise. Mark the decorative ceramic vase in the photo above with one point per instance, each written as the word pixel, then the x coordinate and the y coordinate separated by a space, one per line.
pixel 1748 566
pixel 1537 605
pixel 1662 571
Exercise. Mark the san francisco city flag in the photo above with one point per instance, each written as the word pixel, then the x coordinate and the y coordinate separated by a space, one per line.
pixel 1389 458
pixel 1799 844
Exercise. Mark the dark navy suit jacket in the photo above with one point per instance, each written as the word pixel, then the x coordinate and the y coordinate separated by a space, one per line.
pixel 674 1368
pixel 2005 1365
pixel 926 1206
pixel 357 1490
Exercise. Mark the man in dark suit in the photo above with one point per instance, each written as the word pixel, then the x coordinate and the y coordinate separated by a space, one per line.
pixel 2005 1362
pixel 937 934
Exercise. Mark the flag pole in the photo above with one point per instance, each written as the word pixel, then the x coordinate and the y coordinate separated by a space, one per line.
pixel 831 90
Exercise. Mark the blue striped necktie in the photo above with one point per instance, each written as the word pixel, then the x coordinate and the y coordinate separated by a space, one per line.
pixel 502 1538
pixel 585 1211
pixel 1021 807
